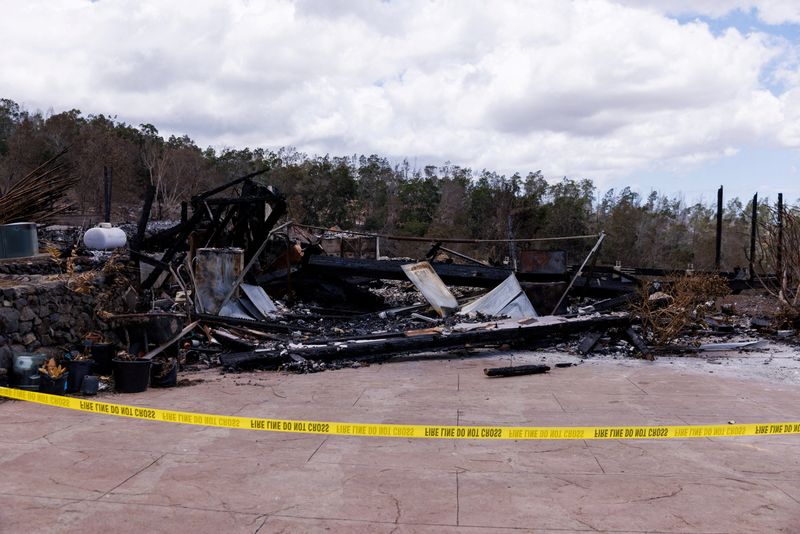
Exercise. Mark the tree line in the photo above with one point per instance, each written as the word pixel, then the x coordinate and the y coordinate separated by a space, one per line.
pixel 371 193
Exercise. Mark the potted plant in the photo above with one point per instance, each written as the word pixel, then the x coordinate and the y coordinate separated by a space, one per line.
pixel 53 378
pixel 131 374
pixel 102 352
pixel 78 366
pixel 164 373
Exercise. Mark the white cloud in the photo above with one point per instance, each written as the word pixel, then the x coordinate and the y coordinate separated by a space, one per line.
pixel 769 11
pixel 586 88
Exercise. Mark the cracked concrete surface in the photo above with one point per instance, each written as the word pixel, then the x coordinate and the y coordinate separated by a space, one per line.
pixel 66 471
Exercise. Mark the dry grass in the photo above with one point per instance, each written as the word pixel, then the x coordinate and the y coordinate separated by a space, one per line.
pixel 687 301
pixel 780 254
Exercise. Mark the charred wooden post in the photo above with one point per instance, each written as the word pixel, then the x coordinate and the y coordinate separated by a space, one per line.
pixel 592 265
pixel 753 226
pixel 149 196
pixel 512 246
pixel 779 266
pixel 718 250
pixel 107 178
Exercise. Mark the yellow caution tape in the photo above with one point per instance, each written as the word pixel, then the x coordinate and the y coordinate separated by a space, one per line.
pixel 405 431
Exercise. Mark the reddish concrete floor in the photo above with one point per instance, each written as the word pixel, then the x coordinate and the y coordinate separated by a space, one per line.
pixel 64 471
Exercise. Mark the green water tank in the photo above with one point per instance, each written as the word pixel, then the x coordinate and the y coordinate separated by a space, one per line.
pixel 18 240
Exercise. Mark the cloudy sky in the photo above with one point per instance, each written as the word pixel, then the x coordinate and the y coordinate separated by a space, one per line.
pixel 678 96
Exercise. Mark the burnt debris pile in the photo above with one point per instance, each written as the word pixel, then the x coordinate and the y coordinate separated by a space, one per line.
pixel 237 284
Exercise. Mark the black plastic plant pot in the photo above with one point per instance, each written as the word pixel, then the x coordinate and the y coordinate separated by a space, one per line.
pixel 161 379
pixel 90 385
pixel 103 354
pixel 77 370
pixel 131 376
pixel 53 386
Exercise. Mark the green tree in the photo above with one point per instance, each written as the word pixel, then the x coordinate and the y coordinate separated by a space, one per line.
pixel 419 198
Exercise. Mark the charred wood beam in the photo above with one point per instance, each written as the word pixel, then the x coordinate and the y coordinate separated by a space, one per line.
pixel 220 226
pixel 589 341
pixel 617 303
pixel 519 370
pixel 648 271
pixel 438 246
pixel 207 318
pixel 637 341
pixel 228 185
pixel 162 238
pixel 199 201
pixel 144 258
pixel 241 200
pixel 178 244
pixel 601 288
pixel 278 205
pixel 452 274
pixel 735 284
pixel 429 342
pixel 267 359
pixel 354 337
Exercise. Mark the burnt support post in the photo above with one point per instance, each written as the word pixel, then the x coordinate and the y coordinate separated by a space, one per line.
pixel 753 227
pixel 149 195
pixel 107 180
pixel 718 249
pixel 512 252
pixel 779 265
pixel 184 211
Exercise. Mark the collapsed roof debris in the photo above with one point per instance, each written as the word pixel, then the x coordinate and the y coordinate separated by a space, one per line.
pixel 506 300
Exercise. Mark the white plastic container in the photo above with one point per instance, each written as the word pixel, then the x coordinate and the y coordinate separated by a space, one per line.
pixel 104 237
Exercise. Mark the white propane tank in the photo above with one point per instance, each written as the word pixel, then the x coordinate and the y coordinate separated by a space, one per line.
pixel 104 237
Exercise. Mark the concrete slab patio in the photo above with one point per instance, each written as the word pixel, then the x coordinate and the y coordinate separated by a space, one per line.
pixel 65 471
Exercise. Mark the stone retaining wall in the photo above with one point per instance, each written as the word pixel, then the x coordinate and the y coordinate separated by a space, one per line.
pixel 41 264
pixel 44 314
